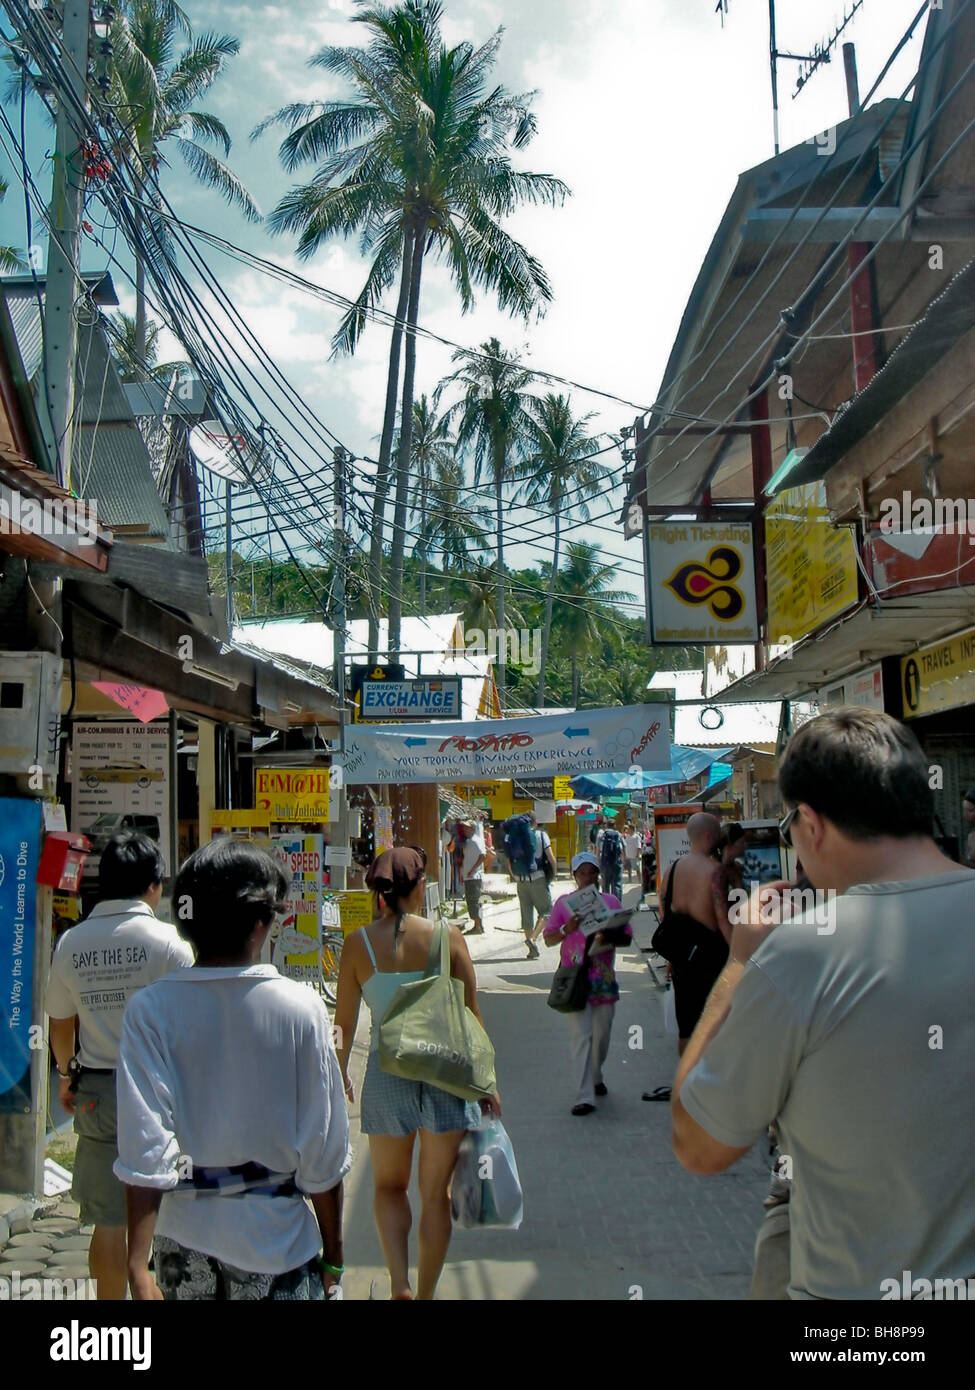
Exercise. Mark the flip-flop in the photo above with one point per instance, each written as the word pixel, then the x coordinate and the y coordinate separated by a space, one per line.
pixel 660 1093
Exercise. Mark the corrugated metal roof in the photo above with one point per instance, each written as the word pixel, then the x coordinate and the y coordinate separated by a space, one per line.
pixel 110 465
pixel 110 462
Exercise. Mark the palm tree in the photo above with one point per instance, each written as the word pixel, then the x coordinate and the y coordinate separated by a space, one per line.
pixel 431 448
pixel 454 525
pixel 10 260
pixel 134 367
pixel 154 89
pixel 494 421
pixel 581 588
pixel 417 160
pixel 563 477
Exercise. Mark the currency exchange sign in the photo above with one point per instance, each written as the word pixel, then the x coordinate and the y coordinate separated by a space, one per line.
pixel 606 740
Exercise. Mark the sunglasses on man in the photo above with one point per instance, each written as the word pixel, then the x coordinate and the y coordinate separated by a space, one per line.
pixel 785 826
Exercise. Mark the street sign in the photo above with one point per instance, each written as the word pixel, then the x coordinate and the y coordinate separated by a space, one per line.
pixel 427 698
pixel 293 793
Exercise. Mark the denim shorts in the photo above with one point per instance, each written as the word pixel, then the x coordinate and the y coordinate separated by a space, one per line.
pixel 393 1105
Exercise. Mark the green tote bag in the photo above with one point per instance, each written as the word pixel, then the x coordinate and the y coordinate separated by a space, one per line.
pixel 429 1034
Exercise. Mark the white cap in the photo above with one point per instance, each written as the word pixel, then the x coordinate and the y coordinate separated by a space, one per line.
pixel 584 858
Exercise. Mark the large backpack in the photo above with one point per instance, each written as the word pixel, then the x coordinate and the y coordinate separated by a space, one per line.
pixel 611 851
pixel 520 845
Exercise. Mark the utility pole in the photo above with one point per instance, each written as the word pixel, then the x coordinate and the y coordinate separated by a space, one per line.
pixel 338 872
pixel 64 247
pixel 22 1134
pixel 774 60
pixel 229 558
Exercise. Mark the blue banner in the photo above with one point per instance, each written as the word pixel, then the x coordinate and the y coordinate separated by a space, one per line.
pixel 20 843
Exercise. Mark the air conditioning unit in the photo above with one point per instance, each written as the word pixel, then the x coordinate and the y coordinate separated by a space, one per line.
pixel 30 712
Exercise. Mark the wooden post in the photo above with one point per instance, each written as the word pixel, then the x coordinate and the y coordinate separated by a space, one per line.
pixel 416 821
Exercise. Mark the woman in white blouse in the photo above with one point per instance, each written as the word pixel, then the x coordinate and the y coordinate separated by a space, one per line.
pixel 231 1105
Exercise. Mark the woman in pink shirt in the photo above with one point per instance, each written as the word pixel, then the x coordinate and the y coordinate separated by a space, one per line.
pixel 592 1026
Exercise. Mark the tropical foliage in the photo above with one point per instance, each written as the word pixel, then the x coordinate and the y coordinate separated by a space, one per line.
pixel 415 160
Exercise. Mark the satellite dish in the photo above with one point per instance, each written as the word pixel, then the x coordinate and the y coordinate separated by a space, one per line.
pixel 230 456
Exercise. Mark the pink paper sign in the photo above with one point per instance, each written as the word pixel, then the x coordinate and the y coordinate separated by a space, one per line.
pixel 144 703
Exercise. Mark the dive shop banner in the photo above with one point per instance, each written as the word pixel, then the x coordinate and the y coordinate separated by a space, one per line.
pixel 702 582
pixel 547 745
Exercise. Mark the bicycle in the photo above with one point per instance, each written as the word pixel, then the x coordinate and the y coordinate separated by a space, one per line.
pixel 331 955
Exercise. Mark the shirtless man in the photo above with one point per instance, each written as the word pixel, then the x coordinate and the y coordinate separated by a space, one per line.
pixel 694 896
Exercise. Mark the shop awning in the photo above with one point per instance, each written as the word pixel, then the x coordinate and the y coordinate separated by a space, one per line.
pixel 893 628
pixel 685 764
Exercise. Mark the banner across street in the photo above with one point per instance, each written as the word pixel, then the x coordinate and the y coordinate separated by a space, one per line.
pixel 592 740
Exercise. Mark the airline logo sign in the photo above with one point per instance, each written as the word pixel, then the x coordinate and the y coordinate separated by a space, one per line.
pixel 387 700
pixel 702 583
pixel 292 793
pixel 607 740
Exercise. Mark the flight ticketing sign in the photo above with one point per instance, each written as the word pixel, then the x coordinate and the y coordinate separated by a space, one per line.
pixel 604 740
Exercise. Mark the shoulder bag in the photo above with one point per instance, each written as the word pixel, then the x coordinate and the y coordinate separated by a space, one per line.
pixel 429 1034
pixel 679 937
pixel 570 986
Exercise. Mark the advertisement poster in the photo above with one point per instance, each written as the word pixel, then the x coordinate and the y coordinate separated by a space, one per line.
pixel 293 793
pixel 670 836
pixel 349 909
pixel 702 582
pixel 383 823
pixel 811 564
pixel 119 781
pixel 20 840
pixel 591 740
pixel 301 922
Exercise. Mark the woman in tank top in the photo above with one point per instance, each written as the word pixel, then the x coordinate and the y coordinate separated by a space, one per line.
pixel 376 960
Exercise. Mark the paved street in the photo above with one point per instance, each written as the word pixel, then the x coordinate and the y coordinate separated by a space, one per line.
pixel 608 1210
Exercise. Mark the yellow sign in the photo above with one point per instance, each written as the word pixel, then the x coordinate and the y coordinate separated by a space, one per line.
pixel 239 820
pixel 355 909
pixel 941 676
pixel 292 793
pixel 68 906
pixel 562 790
pixel 811 566
pixel 489 789
pixel 502 805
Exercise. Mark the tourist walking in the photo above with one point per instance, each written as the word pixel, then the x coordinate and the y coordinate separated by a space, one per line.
pixel 231 1108
pixel 612 852
pixel 394 950
pixel 531 864
pixel 592 1026
pixel 850 1027
pixel 633 845
pixel 99 965
pixel 472 872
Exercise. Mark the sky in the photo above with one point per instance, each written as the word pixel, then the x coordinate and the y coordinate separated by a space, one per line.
pixel 647 109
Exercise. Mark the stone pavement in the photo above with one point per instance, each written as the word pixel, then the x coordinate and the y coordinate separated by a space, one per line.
pixel 609 1213
pixel 46 1243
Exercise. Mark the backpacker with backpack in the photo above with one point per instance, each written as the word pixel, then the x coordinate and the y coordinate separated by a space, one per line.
pixel 520 842
pixel 611 853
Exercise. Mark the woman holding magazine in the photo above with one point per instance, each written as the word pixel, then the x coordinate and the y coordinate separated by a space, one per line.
pixel 592 1026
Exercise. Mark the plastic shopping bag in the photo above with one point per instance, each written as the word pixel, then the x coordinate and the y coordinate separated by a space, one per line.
pixel 670 1013
pixel 486 1190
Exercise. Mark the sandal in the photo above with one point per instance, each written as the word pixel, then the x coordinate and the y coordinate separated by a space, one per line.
pixel 661 1093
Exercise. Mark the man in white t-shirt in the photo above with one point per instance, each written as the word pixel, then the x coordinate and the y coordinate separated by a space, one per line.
pixel 472 873
pixel 633 846
pixel 850 1025
pixel 117 950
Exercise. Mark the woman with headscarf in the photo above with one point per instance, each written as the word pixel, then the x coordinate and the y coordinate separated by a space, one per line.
pixel 393 950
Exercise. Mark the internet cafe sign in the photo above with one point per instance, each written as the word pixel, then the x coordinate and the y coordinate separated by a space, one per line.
pixel 292 793
pixel 702 582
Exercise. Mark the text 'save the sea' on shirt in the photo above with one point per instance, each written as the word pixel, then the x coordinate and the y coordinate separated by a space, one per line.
pixel 223 1066
pixel 121 947
pixel 860 1043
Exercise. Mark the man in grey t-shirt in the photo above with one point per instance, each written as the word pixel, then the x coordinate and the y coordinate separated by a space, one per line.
pixel 851 1027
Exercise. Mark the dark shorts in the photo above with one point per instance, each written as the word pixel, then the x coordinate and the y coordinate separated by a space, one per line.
pixel 183 1275
pixel 692 985
pixel 95 1187
pixel 472 896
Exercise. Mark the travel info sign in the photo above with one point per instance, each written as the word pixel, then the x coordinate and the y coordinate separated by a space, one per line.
pixel 702 582
pixel 292 793
pixel 549 745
